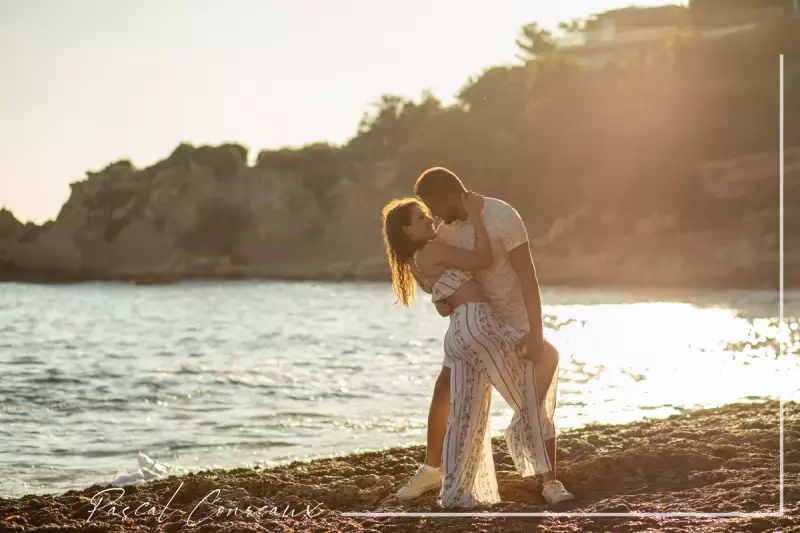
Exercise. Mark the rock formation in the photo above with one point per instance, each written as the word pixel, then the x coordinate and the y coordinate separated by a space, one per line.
pixel 204 213
pixel 199 213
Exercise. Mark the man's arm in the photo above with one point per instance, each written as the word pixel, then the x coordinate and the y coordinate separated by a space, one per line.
pixel 522 263
pixel 515 241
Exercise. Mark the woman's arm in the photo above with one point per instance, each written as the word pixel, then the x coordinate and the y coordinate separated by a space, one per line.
pixel 448 256
pixel 461 258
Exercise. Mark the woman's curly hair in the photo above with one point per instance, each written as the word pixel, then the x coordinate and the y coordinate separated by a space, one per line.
pixel 400 248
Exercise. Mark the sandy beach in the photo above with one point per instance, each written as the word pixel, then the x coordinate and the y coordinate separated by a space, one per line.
pixel 723 460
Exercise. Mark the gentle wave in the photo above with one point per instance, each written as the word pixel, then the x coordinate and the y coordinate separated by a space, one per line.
pixel 228 374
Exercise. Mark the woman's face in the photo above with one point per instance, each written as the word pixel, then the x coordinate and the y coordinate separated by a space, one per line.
pixel 421 226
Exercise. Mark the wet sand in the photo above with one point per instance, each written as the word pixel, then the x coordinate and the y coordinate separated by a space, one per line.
pixel 723 460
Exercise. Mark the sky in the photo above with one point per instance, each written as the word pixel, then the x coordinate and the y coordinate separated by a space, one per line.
pixel 87 82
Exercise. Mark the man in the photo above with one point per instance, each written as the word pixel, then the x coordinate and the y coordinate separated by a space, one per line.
pixel 511 285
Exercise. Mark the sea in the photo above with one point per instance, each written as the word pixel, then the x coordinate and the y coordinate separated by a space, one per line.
pixel 116 383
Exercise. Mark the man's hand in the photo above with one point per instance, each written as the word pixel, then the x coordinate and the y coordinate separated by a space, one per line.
pixel 534 347
pixel 444 308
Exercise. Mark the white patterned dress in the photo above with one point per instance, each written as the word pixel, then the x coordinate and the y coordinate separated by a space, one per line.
pixel 483 352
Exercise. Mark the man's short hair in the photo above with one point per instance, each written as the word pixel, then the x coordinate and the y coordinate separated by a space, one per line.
pixel 438 181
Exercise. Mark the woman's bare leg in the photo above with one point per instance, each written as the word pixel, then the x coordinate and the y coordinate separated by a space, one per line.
pixel 429 476
pixel 437 419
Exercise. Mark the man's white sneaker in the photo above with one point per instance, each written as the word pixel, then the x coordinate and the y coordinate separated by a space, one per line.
pixel 425 479
pixel 554 492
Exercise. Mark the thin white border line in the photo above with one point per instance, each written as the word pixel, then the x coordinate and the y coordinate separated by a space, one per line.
pixel 780 390
pixel 781 273
pixel 562 515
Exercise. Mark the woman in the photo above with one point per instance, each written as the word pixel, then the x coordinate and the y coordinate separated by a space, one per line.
pixel 478 340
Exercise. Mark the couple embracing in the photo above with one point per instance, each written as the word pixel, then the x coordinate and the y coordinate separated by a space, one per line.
pixel 478 270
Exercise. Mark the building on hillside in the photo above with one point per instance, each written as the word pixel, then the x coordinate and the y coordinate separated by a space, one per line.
pixel 605 45
pixel 630 34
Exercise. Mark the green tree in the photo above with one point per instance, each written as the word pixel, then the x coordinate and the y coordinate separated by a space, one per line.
pixel 534 41
pixel 390 124
pixel 226 161
pixel 573 26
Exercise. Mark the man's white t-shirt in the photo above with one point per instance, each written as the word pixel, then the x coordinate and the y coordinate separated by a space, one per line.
pixel 499 281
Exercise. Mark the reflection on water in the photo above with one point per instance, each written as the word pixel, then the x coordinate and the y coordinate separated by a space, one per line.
pixel 199 375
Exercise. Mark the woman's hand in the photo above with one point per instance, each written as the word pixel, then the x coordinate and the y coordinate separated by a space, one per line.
pixel 444 309
pixel 473 204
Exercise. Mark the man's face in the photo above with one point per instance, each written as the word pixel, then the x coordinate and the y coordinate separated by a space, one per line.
pixel 441 207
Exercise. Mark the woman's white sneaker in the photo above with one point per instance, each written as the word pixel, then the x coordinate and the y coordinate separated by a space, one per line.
pixel 425 479
pixel 554 492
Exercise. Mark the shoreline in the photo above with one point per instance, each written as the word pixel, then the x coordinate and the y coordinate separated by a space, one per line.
pixel 711 282
pixel 710 460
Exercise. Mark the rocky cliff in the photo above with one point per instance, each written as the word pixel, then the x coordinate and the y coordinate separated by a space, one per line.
pixel 199 213
pixel 204 213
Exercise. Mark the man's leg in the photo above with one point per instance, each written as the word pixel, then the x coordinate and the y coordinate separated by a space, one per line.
pixel 437 418
pixel 550 446
pixel 546 368
pixel 553 490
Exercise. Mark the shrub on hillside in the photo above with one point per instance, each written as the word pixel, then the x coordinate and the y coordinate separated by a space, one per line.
pixel 225 161
pixel 218 229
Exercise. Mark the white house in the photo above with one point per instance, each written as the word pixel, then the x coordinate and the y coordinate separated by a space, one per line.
pixel 609 44
pixel 597 48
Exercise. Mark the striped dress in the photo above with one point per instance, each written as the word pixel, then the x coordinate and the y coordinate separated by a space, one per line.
pixel 485 352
